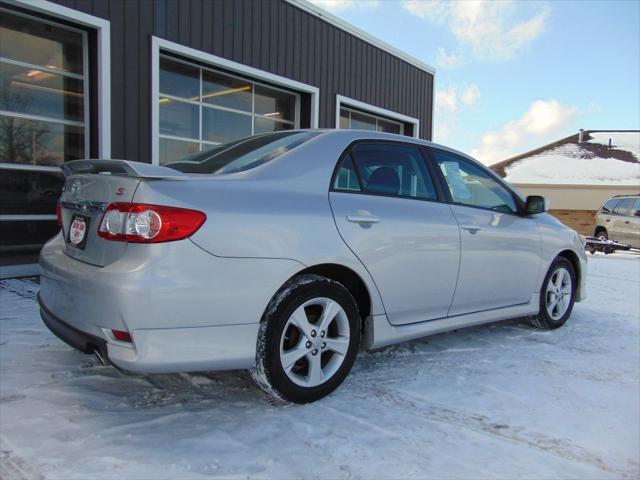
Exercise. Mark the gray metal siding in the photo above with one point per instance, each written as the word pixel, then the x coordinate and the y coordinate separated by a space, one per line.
pixel 271 35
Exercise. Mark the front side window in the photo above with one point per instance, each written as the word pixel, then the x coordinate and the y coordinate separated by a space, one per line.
pixel 200 108
pixel 471 185
pixel 386 169
pixel 610 205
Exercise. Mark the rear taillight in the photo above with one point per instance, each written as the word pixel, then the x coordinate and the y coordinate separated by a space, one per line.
pixel 59 213
pixel 142 223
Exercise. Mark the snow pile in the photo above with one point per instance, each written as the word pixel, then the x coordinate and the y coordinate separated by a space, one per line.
pixel 571 164
pixel 496 401
pixel 629 141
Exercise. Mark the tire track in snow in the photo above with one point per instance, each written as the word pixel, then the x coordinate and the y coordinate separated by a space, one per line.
pixel 410 401
pixel 13 467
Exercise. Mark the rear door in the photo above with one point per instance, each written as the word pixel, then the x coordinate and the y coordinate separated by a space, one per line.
pixel 621 221
pixel 388 211
pixel 500 250
pixel 634 224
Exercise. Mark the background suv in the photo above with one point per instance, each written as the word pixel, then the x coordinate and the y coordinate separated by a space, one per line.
pixel 619 219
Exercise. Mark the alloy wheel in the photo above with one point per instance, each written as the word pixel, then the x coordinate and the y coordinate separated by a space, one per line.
pixel 314 342
pixel 558 293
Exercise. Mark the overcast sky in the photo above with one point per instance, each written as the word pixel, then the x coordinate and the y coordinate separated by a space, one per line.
pixel 514 75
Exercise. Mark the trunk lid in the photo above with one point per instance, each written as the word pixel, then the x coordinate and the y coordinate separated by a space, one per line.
pixel 90 186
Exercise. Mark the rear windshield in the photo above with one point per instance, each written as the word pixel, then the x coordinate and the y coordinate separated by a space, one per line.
pixel 243 154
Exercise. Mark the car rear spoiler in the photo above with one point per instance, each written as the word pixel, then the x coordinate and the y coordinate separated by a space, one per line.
pixel 120 167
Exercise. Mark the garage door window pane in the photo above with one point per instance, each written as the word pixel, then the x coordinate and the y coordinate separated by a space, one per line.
pixel 264 125
pixel 38 43
pixel 388 127
pixel 24 192
pixel 179 80
pixel 274 103
pixel 360 121
pixel 344 119
pixel 178 119
pixel 39 143
pixel 37 92
pixel 171 150
pixel 222 126
pixel 219 89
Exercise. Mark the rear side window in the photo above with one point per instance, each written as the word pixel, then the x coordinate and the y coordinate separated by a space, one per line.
pixel 610 205
pixel 347 177
pixel 624 207
pixel 386 169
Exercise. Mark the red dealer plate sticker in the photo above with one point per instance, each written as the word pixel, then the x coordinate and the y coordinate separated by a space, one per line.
pixel 78 231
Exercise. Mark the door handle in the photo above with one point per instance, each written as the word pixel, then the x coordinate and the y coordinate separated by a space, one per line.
pixel 608 220
pixel 471 228
pixel 362 216
pixel 626 222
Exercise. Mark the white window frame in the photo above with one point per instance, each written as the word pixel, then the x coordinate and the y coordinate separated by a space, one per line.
pixel 383 114
pixel 160 47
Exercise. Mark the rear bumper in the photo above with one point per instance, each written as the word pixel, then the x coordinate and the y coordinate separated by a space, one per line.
pixel 166 350
pixel 186 309
pixel 78 339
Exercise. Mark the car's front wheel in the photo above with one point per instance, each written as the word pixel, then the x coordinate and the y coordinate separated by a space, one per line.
pixel 308 339
pixel 557 295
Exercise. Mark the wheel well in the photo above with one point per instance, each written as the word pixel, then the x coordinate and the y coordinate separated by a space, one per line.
pixel 350 280
pixel 598 230
pixel 575 263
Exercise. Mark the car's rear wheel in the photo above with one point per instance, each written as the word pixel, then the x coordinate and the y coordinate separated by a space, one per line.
pixel 308 339
pixel 557 295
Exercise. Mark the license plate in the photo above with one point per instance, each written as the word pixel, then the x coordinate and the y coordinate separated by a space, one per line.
pixel 78 231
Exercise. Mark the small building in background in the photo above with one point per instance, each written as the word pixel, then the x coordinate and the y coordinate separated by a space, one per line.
pixel 578 173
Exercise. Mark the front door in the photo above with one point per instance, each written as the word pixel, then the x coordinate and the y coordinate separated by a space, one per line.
pixel 388 212
pixel 500 249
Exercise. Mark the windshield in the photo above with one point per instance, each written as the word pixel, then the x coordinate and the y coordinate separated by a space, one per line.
pixel 243 154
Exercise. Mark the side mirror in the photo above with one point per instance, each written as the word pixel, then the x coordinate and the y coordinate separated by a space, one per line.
pixel 536 204
pixel 637 213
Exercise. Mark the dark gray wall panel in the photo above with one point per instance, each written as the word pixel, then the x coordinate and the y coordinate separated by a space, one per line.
pixel 271 35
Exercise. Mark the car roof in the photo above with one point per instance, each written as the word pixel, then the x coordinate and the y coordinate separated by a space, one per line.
pixel 356 134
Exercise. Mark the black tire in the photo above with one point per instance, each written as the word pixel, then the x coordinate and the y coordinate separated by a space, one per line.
pixel 543 319
pixel 602 234
pixel 269 373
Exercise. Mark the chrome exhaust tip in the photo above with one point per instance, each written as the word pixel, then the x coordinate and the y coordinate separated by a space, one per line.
pixel 103 361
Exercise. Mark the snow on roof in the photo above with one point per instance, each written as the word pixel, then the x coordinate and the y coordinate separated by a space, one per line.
pixel 587 163
pixel 629 141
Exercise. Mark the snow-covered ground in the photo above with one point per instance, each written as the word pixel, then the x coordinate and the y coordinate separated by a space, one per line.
pixel 499 401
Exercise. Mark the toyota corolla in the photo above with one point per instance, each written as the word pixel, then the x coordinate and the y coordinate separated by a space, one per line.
pixel 287 253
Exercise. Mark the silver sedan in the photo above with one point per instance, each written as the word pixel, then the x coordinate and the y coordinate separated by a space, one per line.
pixel 286 253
